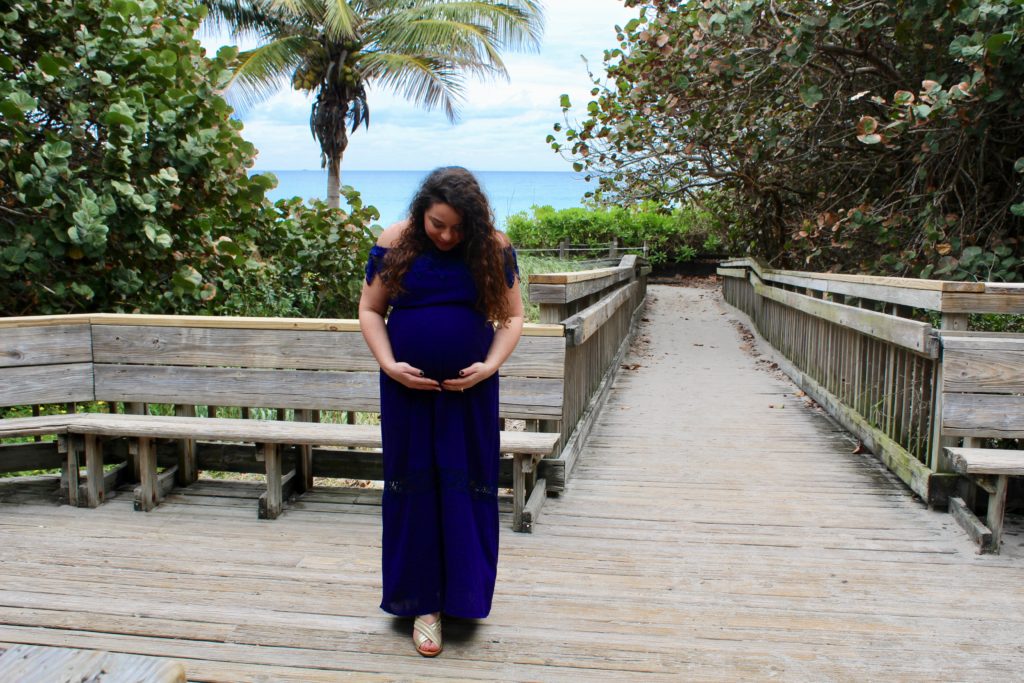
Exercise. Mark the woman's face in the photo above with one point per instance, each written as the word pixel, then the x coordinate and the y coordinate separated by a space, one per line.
pixel 443 225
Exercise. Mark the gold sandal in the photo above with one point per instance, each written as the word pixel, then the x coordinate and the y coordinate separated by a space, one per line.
pixel 427 633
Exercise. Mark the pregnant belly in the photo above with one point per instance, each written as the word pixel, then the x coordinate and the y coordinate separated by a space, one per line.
pixel 439 340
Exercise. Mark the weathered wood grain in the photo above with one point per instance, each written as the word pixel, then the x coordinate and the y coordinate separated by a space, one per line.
pixel 38 664
pixel 59 383
pixel 987 415
pixel 969 522
pixel 587 323
pixel 521 398
pixel 984 370
pixel 44 345
pixel 909 334
pixel 33 426
pixel 986 460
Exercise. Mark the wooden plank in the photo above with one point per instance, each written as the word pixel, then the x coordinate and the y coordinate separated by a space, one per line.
pixel 20 457
pixel 251 348
pixel 984 370
pixel 574 276
pixel 61 383
pixel 520 397
pixel 33 426
pixel 187 470
pixel 39 664
pixel 271 431
pixel 586 323
pixel 909 334
pixel 1005 303
pixel 985 460
pixel 531 512
pixel 44 320
pixel 573 291
pixel 969 522
pixel 732 272
pixel 991 415
pixel 45 345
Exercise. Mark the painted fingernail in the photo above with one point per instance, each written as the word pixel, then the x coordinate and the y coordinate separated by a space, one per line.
pixel 421 373
pixel 460 373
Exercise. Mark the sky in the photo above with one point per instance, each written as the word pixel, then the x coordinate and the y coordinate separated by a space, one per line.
pixel 502 124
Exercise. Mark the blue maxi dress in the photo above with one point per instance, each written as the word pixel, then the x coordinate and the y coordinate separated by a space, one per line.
pixel 440 504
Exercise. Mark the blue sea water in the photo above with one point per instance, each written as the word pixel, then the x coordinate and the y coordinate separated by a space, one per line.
pixel 391 191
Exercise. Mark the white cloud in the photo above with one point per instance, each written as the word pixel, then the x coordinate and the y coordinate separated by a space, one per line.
pixel 502 126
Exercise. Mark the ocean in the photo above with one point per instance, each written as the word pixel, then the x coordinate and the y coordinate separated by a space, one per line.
pixel 391 191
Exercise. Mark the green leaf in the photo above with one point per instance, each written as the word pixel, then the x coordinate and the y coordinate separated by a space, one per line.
pixel 564 102
pixel 811 95
pixel 102 77
pixel 49 66
pixel 1018 166
pixel 1017 209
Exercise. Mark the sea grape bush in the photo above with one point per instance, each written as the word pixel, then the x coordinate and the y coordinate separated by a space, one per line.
pixel 124 181
pixel 671 236
pixel 870 136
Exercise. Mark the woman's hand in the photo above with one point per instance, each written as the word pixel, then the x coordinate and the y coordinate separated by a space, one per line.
pixel 469 377
pixel 411 377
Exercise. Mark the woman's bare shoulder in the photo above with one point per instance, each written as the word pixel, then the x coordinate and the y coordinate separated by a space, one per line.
pixel 392 233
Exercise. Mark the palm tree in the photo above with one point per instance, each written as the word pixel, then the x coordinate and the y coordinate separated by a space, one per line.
pixel 334 49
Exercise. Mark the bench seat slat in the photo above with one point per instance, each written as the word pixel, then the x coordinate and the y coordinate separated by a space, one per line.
pixel 986 461
pixel 270 431
pixel 33 426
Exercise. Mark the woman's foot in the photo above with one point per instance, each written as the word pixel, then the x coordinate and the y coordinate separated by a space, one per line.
pixel 426 634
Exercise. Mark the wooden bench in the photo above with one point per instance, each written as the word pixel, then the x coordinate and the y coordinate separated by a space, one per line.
pixel 982 380
pixel 300 365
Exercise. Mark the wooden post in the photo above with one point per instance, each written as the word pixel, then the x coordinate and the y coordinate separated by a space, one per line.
pixel 188 470
pixel 146 494
pixel 134 408
pixel 304 467
pixel 996 511
pixel 613 248
pixel 518 489
pixel 562 247
pixel 270 502
pixel 954 321
pixel 70 467
pixel 95 490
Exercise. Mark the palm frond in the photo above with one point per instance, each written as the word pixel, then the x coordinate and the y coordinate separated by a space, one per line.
pixel 242 19
pixel 428 81
pixel 260 72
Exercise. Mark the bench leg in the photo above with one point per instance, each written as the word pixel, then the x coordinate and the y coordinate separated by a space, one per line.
pixel 518 489
pixel 271 501
pixel 147 493
pixel 70 468
pixel 304 466
pixel 187 470
pixel 996 511
pixel 96 491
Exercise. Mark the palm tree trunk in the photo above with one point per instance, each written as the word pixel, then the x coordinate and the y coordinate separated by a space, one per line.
pixel 334 183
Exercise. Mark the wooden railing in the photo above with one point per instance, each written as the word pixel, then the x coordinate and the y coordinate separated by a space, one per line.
pixel 563 368
pixel 598 309
pixel 866 350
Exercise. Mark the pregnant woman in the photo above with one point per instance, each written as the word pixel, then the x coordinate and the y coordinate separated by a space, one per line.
pixel 451 283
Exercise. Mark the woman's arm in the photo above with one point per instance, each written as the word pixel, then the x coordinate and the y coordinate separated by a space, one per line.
pixel 373 305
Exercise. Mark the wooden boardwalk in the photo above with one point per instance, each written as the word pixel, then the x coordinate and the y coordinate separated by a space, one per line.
pixel 716 528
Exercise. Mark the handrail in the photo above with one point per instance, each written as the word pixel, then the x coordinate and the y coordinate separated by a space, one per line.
pixel 943 296
pixel 224 322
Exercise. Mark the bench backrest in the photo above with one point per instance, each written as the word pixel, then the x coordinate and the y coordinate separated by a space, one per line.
pixel 45 360
pixel 982 385
pixel 245 362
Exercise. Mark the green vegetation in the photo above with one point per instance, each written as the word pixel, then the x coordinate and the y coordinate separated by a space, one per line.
pixel 531 265
pixel 878 137
pixel 334 50
pixel 671 236
pixel 124 180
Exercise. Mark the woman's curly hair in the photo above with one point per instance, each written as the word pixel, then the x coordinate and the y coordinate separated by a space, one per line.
pixel 483 249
